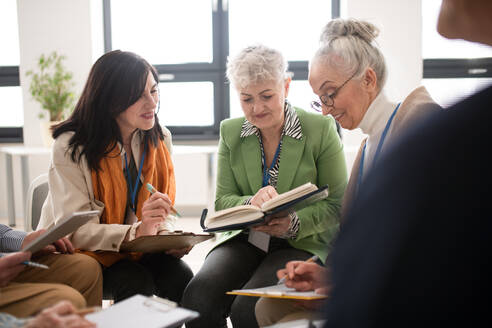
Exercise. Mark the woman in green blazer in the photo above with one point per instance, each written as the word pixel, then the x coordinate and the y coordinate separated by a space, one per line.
pixel 271 150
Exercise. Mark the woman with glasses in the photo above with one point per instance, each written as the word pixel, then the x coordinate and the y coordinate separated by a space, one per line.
pixel 103 155
pixel 273 149
pixel 348 73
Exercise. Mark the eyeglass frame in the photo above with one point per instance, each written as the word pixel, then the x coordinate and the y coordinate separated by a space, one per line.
pixel 317 106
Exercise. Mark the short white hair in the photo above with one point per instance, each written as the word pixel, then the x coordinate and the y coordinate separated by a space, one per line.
pixel 349 45
pixel 256 64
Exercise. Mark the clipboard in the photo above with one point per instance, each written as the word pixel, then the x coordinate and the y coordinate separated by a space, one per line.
pixel 142 311
pixel 164 241
pixel 60 230
pixel 279 291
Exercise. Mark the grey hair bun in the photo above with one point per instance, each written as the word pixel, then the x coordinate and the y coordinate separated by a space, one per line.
pixel 349 28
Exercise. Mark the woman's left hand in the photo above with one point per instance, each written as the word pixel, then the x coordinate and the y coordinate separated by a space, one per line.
pixel 62 245
pixel 179 253
pixel 276 227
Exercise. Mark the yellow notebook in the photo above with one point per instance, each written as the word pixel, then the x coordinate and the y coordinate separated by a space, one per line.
pixel 278 291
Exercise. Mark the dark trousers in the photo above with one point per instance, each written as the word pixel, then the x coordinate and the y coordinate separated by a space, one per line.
pixel 154 274
pixel 235 264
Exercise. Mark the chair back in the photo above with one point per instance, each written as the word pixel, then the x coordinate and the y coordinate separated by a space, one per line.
pixel 36 195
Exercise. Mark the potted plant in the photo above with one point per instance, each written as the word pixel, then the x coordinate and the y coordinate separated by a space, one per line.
pixel 52 86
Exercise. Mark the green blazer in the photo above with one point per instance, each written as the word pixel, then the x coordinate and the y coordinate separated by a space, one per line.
pixel 317 158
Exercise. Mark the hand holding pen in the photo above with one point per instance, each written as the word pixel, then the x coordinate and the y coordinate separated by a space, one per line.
pixel 152 191
pixel 304 275
pixel 154 211
pixel 12 264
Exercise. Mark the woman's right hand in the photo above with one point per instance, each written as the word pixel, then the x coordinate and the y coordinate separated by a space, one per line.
pixel 154 211
pixel 264 194
pixel 61 315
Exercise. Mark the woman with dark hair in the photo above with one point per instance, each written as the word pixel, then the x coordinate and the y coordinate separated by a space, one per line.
pixel 109 148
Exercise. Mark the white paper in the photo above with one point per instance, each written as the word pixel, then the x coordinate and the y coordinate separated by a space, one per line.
pixel 133 312
pixel 259 239
pixel 280 290
pixel 301 323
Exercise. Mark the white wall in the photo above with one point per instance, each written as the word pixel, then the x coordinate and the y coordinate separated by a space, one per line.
pixel 73 28
pixel 46 26
pixel 400 22
pixel 400 39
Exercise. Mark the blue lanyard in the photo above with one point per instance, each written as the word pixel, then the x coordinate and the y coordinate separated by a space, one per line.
pixel 266 170
pixel 133 189
pixel 378 150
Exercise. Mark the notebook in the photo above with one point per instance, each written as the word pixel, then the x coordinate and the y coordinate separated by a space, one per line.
pixel 278 291
pixel 243 216
pixel 142 311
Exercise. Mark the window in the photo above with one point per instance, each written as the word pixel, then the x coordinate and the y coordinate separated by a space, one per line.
pixel 11 110
pixel 188 42
pixel 453 69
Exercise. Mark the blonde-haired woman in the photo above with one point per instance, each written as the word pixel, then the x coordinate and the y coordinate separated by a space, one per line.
pixel 271 150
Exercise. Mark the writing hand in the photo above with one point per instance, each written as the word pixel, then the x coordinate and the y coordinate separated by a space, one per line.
pixel 11 265
pixel 61 315
pixel 304 276
pixel 154 211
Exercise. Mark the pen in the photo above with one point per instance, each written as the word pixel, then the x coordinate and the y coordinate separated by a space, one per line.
pixel 153 190
pixel 311 259
pixel 31 263
pixel 88 310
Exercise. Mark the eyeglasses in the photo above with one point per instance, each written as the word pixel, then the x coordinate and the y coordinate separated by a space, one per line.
pixel 328 100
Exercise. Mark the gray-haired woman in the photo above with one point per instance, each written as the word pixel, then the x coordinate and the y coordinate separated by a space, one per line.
pixel 271 150
pixel 348 73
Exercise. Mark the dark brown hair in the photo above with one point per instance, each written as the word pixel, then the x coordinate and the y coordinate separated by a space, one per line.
pixel 116 81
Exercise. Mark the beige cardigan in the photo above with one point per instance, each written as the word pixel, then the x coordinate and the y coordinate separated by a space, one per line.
pixel 416 105
pixel 70 190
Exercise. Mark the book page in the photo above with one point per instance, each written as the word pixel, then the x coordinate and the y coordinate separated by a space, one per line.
pixel 288 196
pixel 236 218
pixel 231 213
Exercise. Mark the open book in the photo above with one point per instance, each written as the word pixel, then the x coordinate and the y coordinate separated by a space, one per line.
pixel 301 323
pixel 278 291
pixel 242 216
pixel 60 230
pixel 164 241
pixel 142 311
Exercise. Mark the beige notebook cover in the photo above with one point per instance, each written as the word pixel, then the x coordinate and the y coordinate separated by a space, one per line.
pixel 164 241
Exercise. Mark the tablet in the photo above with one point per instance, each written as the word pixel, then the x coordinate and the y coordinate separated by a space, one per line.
pixel 60 230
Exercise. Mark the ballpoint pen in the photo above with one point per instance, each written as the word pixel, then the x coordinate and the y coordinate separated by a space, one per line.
pixel 31 263
pixel 153 190
pixel 311 259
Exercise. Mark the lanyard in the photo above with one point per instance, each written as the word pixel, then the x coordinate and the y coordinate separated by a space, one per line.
pixel 133 189
pixel 266 170
pixel 378 150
